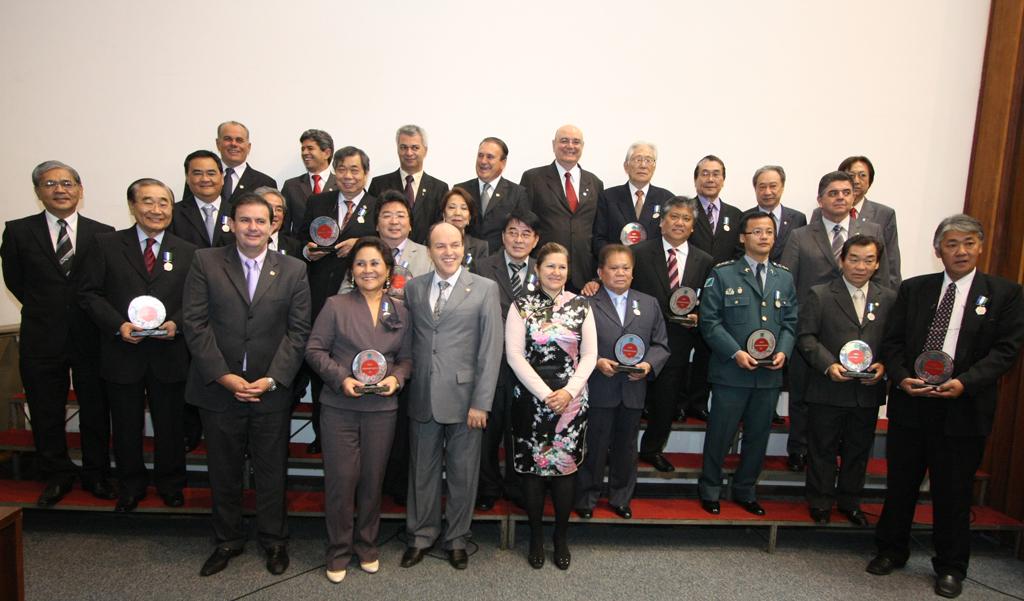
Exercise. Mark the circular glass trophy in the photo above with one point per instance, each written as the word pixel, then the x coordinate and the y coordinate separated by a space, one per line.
pixel 856 358
pixel 324 231
pixel 400 275
pixel 370 367
pixel 681 305
pixel 933 368
pixel 761 346
pixel 629 351
pixel 147 312
pixel 632 233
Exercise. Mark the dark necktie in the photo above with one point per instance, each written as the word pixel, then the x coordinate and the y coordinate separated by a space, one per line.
pixel 570 193
pixel 517 281
pixel 837 241
pixel 940 323
pixel 316 183
pixel 64 250
pixel 673 269
pixel 225 192
pixel 148 257
pixel 759 276
pixel 410 193
pixel 441 299
pixel 485 198
pixel 711 217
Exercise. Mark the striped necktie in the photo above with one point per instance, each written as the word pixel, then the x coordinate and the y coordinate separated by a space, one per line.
pixel 64 250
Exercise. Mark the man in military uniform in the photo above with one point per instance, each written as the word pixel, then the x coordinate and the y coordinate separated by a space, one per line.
pixel 741 297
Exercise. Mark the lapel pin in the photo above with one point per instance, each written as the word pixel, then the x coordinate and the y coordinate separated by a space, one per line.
pixel 725 224
pixel 636 308
pixel 778 299
pixel 467 290
pixel 272 272
pixel 168 260
pixel 657 212
pixel 981 305
pixel 224 227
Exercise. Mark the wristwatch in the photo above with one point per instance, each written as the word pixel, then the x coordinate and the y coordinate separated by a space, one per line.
pixel 273 385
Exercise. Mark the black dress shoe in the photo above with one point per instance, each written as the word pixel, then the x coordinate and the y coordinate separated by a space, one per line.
pixel 313 448
pixel 752 507
pixel 882 565
pixel 821 516
pixel 584 513
pixel 485 503
pixel 218 560
pixel 658 461
pixel 412 556
pixel 701 414
pixel 54 492
pixel 712 507
pixel 778 419
pixel 173 499
pixel 277 560
pixel 536 555
pixel 562 556
pixel 948 586
pixel 101 489
pixel 191 442
pixel 458 558
pixel 856 517
pixel 623 511
pixel 128 502
pixel 797 462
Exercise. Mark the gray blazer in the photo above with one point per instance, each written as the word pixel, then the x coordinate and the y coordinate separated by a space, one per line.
pixel 344 329
pixel 455 359
pixel 827 322
pixel 885 216
pixel 418 258
pixel 222 326
pixel 648 325
pixel 808 255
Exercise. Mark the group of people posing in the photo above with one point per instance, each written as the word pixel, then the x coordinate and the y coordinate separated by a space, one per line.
pixel 435 326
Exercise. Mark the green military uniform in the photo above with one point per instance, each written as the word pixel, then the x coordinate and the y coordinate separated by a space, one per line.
pixel 732 307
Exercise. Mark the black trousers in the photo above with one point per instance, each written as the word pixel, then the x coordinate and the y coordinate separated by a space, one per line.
pixel 848 432
pixel 951 462
pixel 498 432
pixel 47 381
pixel 265 435
pixel 611 441
pixel 797 375
pixel 128 416
pixel 697 386
pixel 396 476
pixel 662 400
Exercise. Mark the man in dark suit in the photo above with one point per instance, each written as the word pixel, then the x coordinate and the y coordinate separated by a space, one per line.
pixel 978 320
pixel 863 173
pixel 457 343
pixel 511 269
pixel 246 321
pixel 353 209
pixel 716 232
pixel 564 196
pixel 617 398
pixel 234 146
pixel 812 256
pixel 654 276
pixel 635 201
pixel 41 270
pixel 842 410
pixel 280 240
pixel 423 191
pixel 495 196
pixel 769 184
pixel 317 147
pixel 143 260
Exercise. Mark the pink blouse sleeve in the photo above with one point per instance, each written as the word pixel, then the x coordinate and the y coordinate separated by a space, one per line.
pixel 515 352
pixel 588 357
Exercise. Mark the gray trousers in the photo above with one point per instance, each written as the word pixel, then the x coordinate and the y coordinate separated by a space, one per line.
pixel 356 445
pixel 731 405
pixel 611 441
pixel 437 449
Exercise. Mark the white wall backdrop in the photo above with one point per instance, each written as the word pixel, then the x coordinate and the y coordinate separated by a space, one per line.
pixel 122 90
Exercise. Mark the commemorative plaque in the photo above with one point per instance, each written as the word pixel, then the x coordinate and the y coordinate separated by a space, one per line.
pixel 933 368
pixel 681 305
pixel 761 346
pixel 400 275
pixel 629 351
pixel 324 231
pixel 147 312
pixel 370 367
pixel 856 358
pixel 632 233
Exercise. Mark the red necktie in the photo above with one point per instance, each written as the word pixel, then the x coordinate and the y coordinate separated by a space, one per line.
pixel 853 213
pixel 316 184
pixel 148 257
pixel 570 193
pixel 673 269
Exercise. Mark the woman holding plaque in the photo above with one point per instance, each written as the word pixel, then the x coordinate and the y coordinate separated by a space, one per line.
pixel 551 344
pixel 357 338
pixel 459 209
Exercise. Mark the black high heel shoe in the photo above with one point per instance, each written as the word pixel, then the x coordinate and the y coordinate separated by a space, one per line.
pixel 562 555
pixel 536 555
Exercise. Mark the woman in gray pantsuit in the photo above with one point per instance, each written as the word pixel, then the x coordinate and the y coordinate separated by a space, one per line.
pixel 357 429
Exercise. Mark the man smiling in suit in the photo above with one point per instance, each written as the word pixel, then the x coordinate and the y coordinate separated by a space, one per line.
pixel 234 146
pixel 633 201
pixel 316 148
pixel 769 184
pixel 495 196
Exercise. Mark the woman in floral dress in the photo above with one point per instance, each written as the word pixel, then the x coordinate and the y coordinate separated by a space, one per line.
pixel 551 344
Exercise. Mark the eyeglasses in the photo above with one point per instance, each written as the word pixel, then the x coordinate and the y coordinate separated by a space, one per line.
pixel 643 161
pixel 63 183
pixel 760 232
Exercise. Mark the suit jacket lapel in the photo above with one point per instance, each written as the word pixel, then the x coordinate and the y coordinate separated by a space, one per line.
pixel 459 292
pixel 604 303
pixel 191 213
pixel 501 274
pixel 268 275
pixel 630 315
pixel 331 185
pixel 971 322
pixel 822 240
pixel 661 267
pixel 41 231
pixel 845 301
pixel 235 271
pixel 133 253
pixel 555 185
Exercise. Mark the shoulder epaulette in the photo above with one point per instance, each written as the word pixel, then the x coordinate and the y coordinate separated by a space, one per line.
pixel 779 265
pixel 729 262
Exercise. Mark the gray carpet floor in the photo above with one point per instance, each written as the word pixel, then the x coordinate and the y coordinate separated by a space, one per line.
pixel 80 556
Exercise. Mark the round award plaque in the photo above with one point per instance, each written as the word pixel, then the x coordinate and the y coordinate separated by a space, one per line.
pixel 933 367
pixel 629 350
pixel 632 233
pixel 683 301
pixel 856 358
pixel 761 346
pixel 399 276
pixel 324 231
pixel 147 312
pixel 370 367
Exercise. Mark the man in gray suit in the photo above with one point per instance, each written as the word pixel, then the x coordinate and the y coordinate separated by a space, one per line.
pixel 246 320
pixel 457 346
pixel 617 398
pixel 863 173
pixel 812 256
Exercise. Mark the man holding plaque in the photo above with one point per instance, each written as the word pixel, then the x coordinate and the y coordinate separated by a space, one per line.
pixel 840 335
pixel 977 321
pixel 748 316
pixel 246 320
pixel 131 287
pixel 632 348
pixel 636 204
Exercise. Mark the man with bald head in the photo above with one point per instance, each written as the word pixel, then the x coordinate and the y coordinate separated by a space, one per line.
pixel 564 196
pixel 233 145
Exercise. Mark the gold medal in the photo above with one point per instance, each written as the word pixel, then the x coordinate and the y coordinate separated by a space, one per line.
pixel 980 310
pixel 168 266
pixel 871 317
